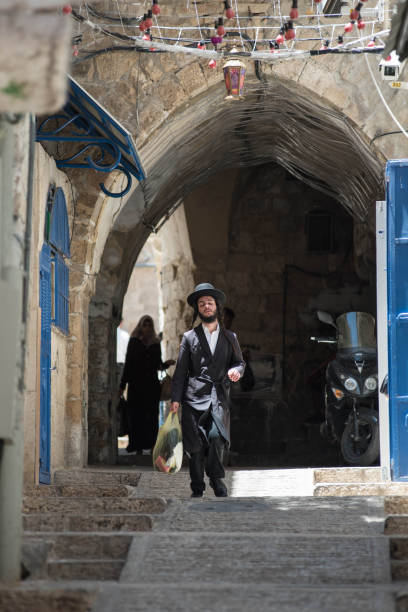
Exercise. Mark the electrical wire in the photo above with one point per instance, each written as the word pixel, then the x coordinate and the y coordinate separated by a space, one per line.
pixel 383 100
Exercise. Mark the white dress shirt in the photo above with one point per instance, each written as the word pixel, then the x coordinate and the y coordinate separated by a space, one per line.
pixel 122 339
pixel 212 338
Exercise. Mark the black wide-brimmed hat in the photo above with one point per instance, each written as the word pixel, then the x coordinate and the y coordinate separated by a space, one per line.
pixel 206 289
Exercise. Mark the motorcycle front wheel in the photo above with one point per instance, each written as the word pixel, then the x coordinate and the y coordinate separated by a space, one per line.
pixel 365 450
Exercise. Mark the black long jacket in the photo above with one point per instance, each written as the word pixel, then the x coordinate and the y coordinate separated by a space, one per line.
pixel 200 383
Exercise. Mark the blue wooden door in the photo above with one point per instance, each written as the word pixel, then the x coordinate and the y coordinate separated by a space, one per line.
pixel 45 364
pixel 397 266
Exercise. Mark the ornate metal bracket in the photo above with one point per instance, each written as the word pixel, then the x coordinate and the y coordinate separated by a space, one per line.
pixel 106 145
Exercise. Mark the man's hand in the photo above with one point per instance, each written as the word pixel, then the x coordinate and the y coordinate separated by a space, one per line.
pixel 174 406
pixel 234 375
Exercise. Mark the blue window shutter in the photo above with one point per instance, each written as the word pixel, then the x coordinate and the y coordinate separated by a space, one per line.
pixel 45 364
pixel 61 294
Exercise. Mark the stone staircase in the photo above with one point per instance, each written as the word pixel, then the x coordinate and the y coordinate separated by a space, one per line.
pixel 101 540
pixel 360 481
pixel 80 529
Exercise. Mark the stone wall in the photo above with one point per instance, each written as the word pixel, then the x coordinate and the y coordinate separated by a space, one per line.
pixel 177 280
pixel 64 432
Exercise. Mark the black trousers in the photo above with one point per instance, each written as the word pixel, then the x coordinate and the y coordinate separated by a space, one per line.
pixel 208 459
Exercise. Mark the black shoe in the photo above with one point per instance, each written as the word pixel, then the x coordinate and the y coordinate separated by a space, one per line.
pixel 220 490
pixel 197 494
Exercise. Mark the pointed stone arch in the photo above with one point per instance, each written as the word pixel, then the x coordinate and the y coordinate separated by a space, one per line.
pixel 291 127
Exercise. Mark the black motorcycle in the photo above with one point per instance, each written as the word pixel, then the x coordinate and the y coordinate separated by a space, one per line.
pixel 351 395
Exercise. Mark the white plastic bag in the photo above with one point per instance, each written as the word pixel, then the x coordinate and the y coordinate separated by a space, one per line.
pixel 168 450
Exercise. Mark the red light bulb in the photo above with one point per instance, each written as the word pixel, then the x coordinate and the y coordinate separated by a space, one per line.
pixel 348 27
pixel 360 24
pixel 280 39
pixel 212 64
pixel 67 9
pixel 149 20
pixel 220 27
pixel 156 8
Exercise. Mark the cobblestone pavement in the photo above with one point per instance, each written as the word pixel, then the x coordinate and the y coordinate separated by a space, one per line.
pixel 270 546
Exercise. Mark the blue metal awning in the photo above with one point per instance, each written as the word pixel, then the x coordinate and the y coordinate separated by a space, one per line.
pixel 85 121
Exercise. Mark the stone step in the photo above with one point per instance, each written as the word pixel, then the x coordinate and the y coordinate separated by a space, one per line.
pixel 396 505
pixel 79 490
pixel 263 597
pixel 91 569
pixel 258 558
pixel 347 475
pixel 399 570
pixel 81 546
pixel 57 521
pixel 21 599
pixel 399 548
pixel 275 515
pixel 366 489
pixel 396 524
pixel 97 476
pixel 84 505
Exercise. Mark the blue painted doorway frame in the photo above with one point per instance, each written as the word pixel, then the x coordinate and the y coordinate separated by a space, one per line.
pixel 397 273
pixel 45 365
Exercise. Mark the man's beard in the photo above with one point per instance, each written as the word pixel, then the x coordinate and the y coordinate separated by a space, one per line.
pixel 210 319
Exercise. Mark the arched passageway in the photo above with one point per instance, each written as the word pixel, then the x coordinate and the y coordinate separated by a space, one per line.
pixel 277 125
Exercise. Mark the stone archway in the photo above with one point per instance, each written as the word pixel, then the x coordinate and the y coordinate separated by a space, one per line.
pixel 276 122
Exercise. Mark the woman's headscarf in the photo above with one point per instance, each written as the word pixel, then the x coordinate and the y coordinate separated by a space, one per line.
pixel 153 338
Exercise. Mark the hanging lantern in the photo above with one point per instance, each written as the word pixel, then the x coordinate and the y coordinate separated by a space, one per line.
pixel 234 76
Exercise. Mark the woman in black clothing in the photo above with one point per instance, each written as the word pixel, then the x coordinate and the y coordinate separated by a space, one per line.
pixel 143 360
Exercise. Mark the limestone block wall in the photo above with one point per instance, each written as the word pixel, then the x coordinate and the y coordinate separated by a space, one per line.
pixel 177 280
pixel 161 280
pixel 46 173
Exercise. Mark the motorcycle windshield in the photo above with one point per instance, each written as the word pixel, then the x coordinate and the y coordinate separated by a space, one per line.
pixel 356 330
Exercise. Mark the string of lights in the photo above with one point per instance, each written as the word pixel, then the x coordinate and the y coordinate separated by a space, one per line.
pixel 273 34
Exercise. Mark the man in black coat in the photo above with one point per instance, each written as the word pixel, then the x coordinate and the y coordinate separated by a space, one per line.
pixel 210 357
